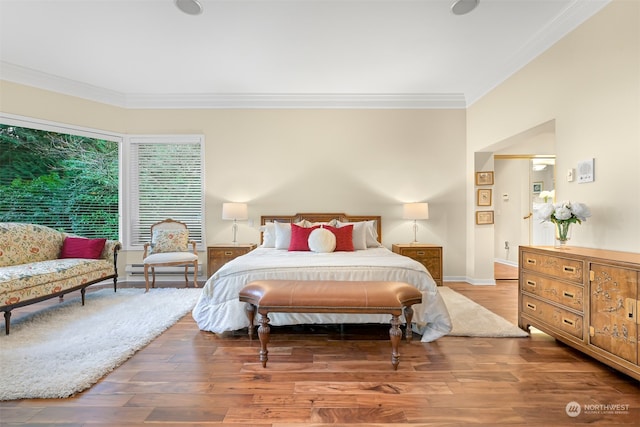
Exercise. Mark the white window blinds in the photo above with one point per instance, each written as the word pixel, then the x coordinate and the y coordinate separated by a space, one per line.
pixel 166 181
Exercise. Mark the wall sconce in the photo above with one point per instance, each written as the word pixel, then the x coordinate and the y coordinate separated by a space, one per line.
pixel 235 212
pixel 415 211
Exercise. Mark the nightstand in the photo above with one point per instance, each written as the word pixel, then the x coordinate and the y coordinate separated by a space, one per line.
pixel 220 254
pixel 428 255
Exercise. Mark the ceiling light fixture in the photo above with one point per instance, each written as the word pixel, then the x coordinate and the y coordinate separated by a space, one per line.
pixel 190 7
pixel 462 7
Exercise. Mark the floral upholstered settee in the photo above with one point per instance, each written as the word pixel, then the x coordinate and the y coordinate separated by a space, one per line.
pixel 38 262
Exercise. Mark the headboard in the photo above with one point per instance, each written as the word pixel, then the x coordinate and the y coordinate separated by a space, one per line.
pixel 323 217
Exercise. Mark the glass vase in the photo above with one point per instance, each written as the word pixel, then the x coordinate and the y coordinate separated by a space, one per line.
pixel 563 234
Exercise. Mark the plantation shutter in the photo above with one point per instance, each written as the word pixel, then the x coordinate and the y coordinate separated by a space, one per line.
pixel 166 182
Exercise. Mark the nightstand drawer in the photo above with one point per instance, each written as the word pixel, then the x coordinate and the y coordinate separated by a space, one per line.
pixel 228 254
pixel 428 255
pixel 219 255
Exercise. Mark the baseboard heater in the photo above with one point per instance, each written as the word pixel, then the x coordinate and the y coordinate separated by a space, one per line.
pixel 136 272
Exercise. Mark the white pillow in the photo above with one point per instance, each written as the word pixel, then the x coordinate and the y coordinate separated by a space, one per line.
pixel 283 235
pixel 322 240
pixel 308 224
pixel 372 235
pixel 268 235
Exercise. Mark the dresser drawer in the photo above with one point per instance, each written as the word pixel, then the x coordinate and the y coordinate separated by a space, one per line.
pixel 558 267
pixel 567 294
pixel 556 317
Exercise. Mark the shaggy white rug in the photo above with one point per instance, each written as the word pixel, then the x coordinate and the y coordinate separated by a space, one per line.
pixel 473 320
pixel 65 348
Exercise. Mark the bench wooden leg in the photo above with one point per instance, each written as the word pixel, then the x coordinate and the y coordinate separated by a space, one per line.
pixel 395 334
pixel 408 315
pixel 263 334
pixel 250 311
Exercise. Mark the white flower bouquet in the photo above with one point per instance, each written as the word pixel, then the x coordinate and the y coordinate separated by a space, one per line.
pixel 563 215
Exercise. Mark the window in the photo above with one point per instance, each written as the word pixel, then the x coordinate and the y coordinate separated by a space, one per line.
pixel 166 181
pixel 61 179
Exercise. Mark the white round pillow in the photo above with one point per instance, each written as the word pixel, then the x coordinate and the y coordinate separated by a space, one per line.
pixel 322 240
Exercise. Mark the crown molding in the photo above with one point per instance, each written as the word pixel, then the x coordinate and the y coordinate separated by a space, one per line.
pixel 28 77
pixel 298 101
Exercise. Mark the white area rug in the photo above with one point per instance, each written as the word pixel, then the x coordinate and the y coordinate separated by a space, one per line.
pixel 473 320
pixel 64 349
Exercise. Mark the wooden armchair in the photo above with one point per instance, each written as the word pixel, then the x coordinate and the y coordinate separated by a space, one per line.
pixel 169 246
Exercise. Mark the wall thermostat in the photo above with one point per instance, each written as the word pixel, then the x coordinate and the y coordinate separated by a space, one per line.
pixel 585 171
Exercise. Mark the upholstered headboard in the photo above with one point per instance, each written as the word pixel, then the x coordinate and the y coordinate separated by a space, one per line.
pixel 323 217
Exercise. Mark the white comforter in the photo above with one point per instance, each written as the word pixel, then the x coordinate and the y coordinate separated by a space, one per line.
pixel 218 308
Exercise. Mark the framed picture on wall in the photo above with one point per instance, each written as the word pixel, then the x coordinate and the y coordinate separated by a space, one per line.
pixel 484 197
pixel 538 186
pixel 484 178
pixel 484 217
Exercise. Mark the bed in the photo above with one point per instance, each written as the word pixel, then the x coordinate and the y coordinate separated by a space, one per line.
pixel 218 309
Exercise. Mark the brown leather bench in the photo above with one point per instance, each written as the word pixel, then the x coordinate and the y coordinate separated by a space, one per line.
pixel 295 296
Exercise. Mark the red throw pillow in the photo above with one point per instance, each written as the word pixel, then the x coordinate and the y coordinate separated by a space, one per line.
pixel 80 247
pixel 344 237
pixel 300 237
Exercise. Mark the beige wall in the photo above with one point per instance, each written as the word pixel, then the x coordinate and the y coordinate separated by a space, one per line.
pixel 289 161
pixel 589 83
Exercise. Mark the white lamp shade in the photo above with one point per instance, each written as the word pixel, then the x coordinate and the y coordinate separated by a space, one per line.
pixel 235 211
pixel 415 211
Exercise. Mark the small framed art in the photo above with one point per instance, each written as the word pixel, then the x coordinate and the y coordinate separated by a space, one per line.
pixel 484 217
pixel 484 178
pixel 484 197
pixel 538 186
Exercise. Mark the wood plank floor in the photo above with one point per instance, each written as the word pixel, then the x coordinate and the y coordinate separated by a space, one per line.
pixel 323 377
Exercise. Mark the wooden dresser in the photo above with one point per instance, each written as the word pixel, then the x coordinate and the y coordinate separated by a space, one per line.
pixel 219 255
pixel 587 298
pixel 428 255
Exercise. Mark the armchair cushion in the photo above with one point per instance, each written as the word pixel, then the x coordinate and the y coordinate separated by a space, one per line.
pixel 170 257
pixel 169 241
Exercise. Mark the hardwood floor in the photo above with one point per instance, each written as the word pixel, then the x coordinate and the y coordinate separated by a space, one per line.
pixel 321 377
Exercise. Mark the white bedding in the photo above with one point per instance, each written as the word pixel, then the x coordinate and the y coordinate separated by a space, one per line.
pixel 219 310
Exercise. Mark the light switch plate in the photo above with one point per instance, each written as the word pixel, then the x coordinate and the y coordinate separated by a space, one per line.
pixel 570 175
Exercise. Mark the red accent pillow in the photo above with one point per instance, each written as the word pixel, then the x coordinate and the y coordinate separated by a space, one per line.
pixel 300 237
pixel 344 237
pixel 80 247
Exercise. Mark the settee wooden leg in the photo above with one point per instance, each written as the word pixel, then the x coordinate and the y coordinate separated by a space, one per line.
pixel 7 321
pixel 83 291
pixel 263 333
pixel 395 334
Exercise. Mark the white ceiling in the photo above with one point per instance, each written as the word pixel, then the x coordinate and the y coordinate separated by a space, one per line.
pixel 278 53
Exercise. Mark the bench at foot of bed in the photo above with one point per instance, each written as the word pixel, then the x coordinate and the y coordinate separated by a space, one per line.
pixel 307 296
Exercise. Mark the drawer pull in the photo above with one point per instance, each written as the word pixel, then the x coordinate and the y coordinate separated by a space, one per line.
pixel 568 322
pixel 568 269
pixel 531 261
pixel 531 283
pixel 228 253
pixel 531 306
pixel 420 252
pixel 568 294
